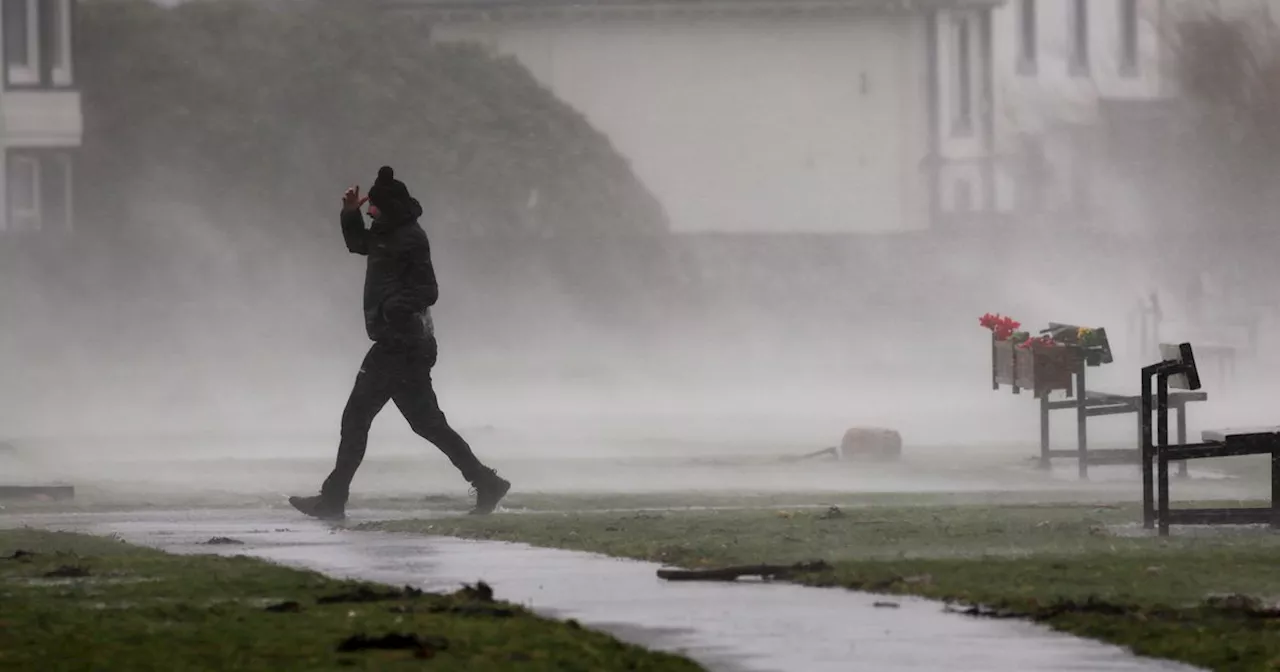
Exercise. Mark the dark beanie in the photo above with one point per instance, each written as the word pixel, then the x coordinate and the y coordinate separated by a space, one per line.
pixel 387 190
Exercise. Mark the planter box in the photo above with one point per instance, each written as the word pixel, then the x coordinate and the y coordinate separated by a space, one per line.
pixel 1045 369
pixel 1096 356
pixel 1003 367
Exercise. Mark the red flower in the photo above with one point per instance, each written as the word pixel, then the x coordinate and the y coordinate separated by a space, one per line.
pixel 1000 325
pixel 1040 342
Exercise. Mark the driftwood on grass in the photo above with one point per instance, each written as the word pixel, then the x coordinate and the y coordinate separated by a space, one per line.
pixel 734 573
pixel 825 452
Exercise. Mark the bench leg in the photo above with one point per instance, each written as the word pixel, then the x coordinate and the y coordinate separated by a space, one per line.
pixel 1162 480
pixel 1082 432
pixel 1182 437
pixel 1275 490
pixel 1044 433
pixel 1147 465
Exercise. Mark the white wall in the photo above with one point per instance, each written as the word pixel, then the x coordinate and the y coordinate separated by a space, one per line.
pixel 1036 99
pixel 1045 98
pixel 747 125
pixel 1052 103
pixel 41 118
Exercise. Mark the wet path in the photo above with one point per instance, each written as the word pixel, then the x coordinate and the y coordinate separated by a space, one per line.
pixel 726 627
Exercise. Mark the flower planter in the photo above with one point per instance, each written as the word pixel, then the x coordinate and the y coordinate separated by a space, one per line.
pixel 1045 369
pixel 1096 345
pixel 1049 361
pixel 1002 363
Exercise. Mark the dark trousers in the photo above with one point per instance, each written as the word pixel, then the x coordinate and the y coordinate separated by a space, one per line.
pixel 399 372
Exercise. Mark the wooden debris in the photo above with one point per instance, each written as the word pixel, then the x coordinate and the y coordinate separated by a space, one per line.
pixel 825 452
pixel 832 513
pixel 68 572
pixel 734 573
pixel 223 541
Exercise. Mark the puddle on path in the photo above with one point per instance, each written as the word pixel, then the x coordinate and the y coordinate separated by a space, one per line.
pixel 767 627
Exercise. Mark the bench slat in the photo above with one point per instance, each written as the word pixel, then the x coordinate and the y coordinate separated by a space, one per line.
pixel 1102 456
pixel 1174 396
pixel 1195 451
pixel 1116 409
pixel 1239 516
pixel 1245 433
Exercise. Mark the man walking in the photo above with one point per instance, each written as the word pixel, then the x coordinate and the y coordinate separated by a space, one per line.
pixel 399 290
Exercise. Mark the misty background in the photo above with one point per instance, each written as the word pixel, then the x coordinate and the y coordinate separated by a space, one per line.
pixel 206 293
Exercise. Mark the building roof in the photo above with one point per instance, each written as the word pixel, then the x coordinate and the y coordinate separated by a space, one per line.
pixel 513 10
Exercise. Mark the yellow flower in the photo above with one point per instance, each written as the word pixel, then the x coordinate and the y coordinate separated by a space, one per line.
pixel 1084 331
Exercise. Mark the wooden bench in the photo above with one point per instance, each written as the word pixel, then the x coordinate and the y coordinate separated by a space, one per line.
pixel 1069 374
pixel 1096 404
pixel 1178 370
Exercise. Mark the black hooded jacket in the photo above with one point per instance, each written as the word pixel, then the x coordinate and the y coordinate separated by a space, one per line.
pixel 399 283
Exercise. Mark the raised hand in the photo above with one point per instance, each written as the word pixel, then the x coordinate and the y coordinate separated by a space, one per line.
pixel 351 199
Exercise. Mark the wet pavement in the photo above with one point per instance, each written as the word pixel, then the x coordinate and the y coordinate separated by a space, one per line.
pixel 765 627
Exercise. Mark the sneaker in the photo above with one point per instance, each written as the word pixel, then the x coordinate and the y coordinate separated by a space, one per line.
pixel 317 507
pixel 490 489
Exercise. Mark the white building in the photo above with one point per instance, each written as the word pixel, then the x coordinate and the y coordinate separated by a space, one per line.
pixel 1060 66
pixel 1056 63
pixel 40 118
pixel 745 116
pixel 1056 58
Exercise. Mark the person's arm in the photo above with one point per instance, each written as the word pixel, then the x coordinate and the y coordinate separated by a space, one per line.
pixel 353 231
pixel 419 290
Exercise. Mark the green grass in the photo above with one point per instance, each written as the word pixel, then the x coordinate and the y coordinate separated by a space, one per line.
pixel 1088 570
pixel 559 502
pixel 136 609
pixel 96 502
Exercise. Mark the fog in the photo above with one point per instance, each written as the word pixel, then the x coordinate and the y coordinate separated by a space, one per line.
pixel 220 343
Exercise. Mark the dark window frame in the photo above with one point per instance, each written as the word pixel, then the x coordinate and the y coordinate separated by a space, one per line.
pixel 1078 40
pixel 963 114
pixel 45 29
pixel 1129 38
pixel 1028 38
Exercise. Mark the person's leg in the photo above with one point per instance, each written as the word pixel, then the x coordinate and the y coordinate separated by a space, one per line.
pixel 369 395
pixel 415 396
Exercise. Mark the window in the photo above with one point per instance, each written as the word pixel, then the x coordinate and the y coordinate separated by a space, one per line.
pixel 21 43
pixel 1129 38
pixel 1028 47
pixel 57 26
pixel 1078 22
pixel 962 124
pixel 38 191
pixel 23 192
pixel 38 44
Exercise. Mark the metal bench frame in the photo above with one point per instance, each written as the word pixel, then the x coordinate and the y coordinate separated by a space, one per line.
pixel 1089 404
pixel 1158 453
